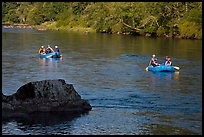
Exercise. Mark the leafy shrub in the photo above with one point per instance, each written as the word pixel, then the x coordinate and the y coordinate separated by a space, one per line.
pixel 190 30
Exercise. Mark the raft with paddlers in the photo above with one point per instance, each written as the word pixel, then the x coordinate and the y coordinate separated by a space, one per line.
pixel 166 67
pixel 50 55
pixel 49 52
pixel 162 68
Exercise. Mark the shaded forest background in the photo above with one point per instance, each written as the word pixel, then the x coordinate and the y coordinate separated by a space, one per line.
pixel 162 19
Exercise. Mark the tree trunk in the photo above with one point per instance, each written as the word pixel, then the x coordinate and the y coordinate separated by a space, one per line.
pixel 186 6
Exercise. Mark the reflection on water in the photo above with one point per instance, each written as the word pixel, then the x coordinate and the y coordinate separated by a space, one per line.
pixel 162 79
pixel 176 75
pixel 41 123
pixel 51 62
pixel 165 75
pixel 45 118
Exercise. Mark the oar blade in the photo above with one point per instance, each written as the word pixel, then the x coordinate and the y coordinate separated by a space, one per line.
pixel 177 68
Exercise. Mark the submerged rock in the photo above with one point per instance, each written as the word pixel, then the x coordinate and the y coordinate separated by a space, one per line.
pixel 43 96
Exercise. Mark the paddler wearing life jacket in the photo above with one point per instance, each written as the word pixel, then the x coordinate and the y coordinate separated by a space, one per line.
pixel 168 61
pixel 42 50
pixel 153 61
pixel 56 49
pixel 49 49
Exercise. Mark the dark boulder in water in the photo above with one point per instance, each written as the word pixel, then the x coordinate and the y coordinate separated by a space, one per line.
pixel 43 96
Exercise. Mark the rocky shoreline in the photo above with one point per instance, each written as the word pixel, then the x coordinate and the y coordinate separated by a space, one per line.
pixel 22 26
pixel 41 28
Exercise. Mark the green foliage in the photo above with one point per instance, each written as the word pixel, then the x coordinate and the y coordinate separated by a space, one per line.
pixel 195 15
pixel 117 28
pixel 150 29
pixel 8 12
pixel 78 7
pixel 161 18
pixel 191 24
pixel 161 31
pixel 35 17
pixel 190 30
pixel 61 23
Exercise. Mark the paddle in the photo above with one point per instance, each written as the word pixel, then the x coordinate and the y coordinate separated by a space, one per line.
pixel 148 65
pixel 49 56
pixel 175 67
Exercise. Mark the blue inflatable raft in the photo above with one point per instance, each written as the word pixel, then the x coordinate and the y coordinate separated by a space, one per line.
pixel 50 55
pixel 161 68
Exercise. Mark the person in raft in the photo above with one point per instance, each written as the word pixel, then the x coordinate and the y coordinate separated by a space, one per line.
pixel 42 50
pixel 57 49
pixel 153 61
pixel 49 49
pixel 168 61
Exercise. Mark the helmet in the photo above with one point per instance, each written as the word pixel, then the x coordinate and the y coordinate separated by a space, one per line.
pixel 56 46
pixel 153 55
pixel 42 46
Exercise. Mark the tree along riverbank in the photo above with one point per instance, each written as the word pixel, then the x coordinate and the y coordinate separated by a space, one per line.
pixel 152 19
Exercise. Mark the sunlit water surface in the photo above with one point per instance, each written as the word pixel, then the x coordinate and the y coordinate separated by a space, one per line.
pixel 109 72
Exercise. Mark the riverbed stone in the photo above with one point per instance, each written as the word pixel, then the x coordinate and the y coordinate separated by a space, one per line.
pixel 43 96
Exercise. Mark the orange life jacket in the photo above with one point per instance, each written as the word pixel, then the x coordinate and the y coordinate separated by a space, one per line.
pixel 41 50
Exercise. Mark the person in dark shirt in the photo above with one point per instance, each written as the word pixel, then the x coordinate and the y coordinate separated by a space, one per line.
pixel 57 49
pixel 153 61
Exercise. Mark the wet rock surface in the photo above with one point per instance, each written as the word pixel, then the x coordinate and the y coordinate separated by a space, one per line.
pixel 43 97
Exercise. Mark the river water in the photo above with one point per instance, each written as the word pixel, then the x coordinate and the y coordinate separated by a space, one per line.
pixel 109 72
